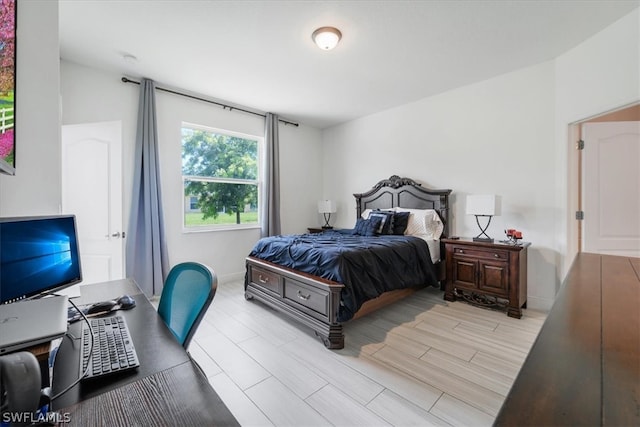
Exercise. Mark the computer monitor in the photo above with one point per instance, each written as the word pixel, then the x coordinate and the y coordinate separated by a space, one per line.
pixel 38 255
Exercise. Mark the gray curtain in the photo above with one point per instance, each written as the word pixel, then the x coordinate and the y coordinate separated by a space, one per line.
pixel 146 249
pixel 270 215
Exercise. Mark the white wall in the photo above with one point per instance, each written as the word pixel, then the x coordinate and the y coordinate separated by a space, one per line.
pixel 599 75
pixel 508 136
pixel 492 137
pixel 90 95
pixel 35 189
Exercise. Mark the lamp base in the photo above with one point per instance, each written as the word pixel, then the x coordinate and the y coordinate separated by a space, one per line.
pixel 483 239
pixel 483 230
pixel 327 217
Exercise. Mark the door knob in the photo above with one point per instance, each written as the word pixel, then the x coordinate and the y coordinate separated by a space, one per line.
pixel 116 235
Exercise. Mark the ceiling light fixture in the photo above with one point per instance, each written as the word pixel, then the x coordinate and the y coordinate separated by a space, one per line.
pixel 326 37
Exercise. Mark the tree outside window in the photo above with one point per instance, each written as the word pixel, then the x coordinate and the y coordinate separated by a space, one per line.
pixel 220 176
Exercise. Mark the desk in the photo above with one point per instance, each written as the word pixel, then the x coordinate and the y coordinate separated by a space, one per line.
pixel 167 388
pixel 584 368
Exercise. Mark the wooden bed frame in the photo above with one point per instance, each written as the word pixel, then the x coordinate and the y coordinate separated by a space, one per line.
pixel 314 301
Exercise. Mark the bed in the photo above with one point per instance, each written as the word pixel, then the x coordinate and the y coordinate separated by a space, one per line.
pixel 323 280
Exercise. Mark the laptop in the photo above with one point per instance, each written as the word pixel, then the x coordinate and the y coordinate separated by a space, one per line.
pixel 27 323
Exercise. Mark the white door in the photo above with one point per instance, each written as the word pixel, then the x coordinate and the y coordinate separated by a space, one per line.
pixel 92 190
pixel 611 188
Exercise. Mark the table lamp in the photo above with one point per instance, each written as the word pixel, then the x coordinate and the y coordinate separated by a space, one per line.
pixel 326 208
pixel 482 206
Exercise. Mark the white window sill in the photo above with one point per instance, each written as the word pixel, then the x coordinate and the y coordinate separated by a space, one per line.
pixel 205 229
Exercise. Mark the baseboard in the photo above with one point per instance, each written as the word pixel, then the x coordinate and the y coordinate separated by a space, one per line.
pixel 540 304
pixel 233 277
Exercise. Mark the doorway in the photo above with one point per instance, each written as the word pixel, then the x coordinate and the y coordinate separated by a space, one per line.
pixel 608 188
pixel 92 190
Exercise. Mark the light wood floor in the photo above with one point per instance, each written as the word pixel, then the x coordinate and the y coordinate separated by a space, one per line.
pixel 421 361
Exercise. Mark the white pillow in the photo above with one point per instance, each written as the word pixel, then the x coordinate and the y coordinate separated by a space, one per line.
pixel 423 222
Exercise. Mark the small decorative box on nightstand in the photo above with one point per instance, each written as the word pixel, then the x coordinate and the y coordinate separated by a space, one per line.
pixel 487 274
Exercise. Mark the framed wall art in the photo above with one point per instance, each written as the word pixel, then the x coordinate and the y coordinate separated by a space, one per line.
pixel 8 15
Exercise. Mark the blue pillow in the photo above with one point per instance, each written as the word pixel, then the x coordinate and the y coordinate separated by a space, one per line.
pixel 400 222
pixel 359 227
pixel 367 227
pixel 386 221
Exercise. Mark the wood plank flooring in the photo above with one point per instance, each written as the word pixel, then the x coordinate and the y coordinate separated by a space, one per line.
pixel 421 361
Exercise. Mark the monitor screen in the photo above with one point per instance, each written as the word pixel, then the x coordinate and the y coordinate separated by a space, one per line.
pixel 37 255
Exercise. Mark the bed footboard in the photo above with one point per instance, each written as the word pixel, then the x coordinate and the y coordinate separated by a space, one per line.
pixel 307 299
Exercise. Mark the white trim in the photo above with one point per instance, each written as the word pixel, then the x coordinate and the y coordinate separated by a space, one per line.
pixel 221 131
pixel 207 228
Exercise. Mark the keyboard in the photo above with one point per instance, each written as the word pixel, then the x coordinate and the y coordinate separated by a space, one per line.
pixel 113 349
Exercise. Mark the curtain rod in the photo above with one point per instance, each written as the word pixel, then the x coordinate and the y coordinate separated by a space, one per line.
pixel 224 106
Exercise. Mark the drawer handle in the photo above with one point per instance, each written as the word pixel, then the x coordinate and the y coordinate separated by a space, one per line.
pixel 460 251
pixel 496 255
pixel 303 296
pixel 263 279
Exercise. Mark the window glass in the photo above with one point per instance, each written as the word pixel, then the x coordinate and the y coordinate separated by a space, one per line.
pixel 220 171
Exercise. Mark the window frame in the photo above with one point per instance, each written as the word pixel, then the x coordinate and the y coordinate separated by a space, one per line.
pixel 257 182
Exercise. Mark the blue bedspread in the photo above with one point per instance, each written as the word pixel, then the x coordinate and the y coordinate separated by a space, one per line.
pixel 367 266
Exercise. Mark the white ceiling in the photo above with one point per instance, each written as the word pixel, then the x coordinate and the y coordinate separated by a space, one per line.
pixel 260 53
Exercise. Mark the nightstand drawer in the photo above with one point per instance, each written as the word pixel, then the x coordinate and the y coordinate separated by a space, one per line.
pixel 313 298
pixel 481 253
pixel 265 279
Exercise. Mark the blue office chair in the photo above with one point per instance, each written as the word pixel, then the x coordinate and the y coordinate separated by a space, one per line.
pixel 187 293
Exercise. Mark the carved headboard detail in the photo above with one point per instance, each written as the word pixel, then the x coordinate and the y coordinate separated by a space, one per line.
pixel 405 193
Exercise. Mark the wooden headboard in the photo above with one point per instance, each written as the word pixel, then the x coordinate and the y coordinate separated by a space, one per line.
pixel 404 193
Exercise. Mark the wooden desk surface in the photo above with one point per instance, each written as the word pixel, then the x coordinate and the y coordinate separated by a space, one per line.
pixel 177 396
pixel 166 369
pixel 584 368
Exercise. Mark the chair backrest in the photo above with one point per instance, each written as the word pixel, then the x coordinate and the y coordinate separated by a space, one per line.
pixel 187 293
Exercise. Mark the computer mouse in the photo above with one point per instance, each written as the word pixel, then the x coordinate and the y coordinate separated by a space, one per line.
pixel 101 307
pixel 126 302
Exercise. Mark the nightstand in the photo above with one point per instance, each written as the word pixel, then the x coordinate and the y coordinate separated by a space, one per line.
pixel 487 274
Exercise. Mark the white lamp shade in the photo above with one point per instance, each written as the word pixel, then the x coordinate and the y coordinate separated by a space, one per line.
pixel 326 206
pixel 326 37
pixel 482 204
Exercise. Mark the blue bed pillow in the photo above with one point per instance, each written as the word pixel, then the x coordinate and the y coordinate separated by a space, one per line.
pixel 400 222
pixel 386 221
pixel 367 227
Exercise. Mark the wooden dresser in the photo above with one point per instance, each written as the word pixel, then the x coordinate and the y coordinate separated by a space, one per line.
pixel 487 274
pixel 584 368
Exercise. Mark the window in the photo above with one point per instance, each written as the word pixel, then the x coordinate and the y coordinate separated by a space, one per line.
pixel 220 176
